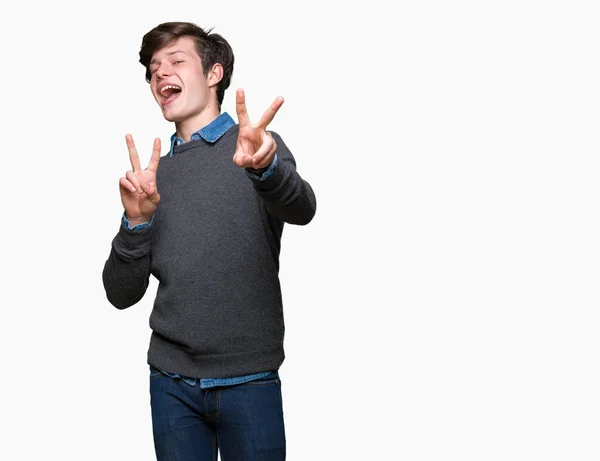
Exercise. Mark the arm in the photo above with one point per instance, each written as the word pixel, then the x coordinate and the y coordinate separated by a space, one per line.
pixel 126 272
pixel 271 167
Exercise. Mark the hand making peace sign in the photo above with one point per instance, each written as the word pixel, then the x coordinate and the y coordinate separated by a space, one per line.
pixel 255 146
pixel 139 193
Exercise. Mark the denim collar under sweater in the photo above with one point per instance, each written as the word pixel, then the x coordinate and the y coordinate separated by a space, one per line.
pixel 210 133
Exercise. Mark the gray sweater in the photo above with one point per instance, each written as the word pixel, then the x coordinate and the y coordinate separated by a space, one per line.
pixel 214 248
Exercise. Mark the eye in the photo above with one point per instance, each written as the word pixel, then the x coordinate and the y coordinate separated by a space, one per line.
pixel 178 62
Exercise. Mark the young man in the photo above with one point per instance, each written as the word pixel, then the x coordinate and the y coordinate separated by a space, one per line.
pixel 207 224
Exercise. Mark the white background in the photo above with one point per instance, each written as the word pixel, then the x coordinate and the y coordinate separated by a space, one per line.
pixel 443 304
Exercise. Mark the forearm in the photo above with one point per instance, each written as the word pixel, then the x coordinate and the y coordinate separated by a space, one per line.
pixel 286 195
pixel 126 272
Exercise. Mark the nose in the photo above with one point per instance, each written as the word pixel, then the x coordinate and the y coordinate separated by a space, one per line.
pixel 164 70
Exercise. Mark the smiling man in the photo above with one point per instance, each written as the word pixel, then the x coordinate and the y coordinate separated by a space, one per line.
pixel 207 224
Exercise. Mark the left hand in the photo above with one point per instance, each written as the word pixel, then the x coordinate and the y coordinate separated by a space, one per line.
pixel 255 146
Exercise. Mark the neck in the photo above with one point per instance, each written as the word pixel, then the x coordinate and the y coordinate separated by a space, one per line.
pixel 187 127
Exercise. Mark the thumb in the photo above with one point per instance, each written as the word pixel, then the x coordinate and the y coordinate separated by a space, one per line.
pixel 152 193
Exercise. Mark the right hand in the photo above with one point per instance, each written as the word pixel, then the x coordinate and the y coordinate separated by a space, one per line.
pixel 139 193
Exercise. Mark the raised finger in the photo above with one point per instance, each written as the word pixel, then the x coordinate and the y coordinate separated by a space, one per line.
pixel 270 112
pixel 133 155
pixel 155 159
pixel 240 108
pixel 132 178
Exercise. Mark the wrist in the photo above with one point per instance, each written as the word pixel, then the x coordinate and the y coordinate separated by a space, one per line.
pixel 262 174
pixel 257 171
pixel 137 220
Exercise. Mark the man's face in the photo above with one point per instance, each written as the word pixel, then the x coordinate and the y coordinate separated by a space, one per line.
pixel 177 81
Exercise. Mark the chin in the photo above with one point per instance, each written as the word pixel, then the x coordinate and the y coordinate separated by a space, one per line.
pixel 172 117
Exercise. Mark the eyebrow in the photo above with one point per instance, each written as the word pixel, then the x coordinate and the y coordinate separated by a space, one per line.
pixel 170 53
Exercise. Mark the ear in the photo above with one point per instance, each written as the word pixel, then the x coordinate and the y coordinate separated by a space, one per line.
pixel 215 75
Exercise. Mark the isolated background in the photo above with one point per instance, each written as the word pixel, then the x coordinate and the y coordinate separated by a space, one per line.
pixel 443 304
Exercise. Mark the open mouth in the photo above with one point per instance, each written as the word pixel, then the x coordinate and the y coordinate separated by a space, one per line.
pixel 169 93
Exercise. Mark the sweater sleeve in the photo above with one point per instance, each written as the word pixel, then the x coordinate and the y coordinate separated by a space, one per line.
pixel 126 272
pixel 286 195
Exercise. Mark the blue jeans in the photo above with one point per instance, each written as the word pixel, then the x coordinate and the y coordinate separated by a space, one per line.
pixel 243 421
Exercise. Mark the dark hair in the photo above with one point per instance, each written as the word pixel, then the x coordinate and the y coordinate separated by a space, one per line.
pixel 212 49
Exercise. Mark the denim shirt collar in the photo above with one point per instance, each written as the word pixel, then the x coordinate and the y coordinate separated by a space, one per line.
pixel 210 133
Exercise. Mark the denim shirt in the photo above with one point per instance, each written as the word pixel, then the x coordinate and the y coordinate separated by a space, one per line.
pixel 210 133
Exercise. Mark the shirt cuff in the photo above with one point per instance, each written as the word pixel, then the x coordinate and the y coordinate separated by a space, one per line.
pixel 264 173
pixel 140 226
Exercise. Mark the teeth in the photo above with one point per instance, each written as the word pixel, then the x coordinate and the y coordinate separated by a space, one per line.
pixel 168 87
